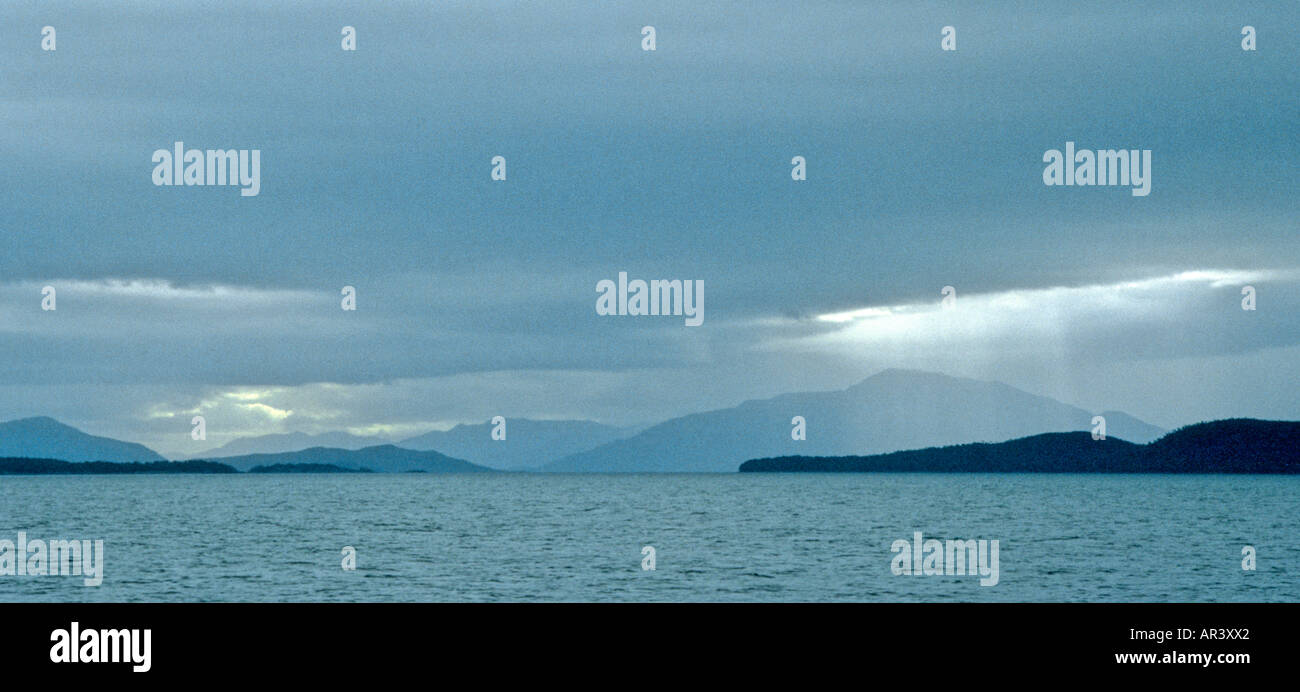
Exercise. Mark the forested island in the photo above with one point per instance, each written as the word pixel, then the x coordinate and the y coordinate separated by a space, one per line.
pixel 23 466
pixel 1239 445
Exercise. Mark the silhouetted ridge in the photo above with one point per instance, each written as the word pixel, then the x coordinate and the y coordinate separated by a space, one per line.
pixel 23 465
pixel 1239 445
pixel 380 458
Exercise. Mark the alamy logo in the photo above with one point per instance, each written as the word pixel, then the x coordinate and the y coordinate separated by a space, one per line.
pixel 1247 303
pixel 932 557
pixel 242 167
pixel 39 558
pixel 75 645
pixel 1099 427
pixel 656 297
pixel 1102 167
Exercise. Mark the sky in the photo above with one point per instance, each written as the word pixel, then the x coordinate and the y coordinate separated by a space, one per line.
pixel 477 297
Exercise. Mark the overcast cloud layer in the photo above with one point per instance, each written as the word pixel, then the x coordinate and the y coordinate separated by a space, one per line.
pixel 476 298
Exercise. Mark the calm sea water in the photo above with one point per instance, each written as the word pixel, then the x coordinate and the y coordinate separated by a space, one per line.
pixel 508 537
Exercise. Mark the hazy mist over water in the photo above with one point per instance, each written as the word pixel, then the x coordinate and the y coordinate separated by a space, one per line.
pixel 724 537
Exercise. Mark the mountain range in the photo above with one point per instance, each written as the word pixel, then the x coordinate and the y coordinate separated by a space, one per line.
pixel 288 442
pixel 528 443
pixel 889 411
pixel 380 458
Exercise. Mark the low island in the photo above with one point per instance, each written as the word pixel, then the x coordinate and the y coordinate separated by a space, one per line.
pixel 1239 445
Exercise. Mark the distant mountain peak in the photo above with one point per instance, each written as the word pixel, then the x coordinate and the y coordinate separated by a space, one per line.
pixel 43 437
pixel 906 372
pixel 40 420
pixel 894 409
pixel 908 375
pixel 275 443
